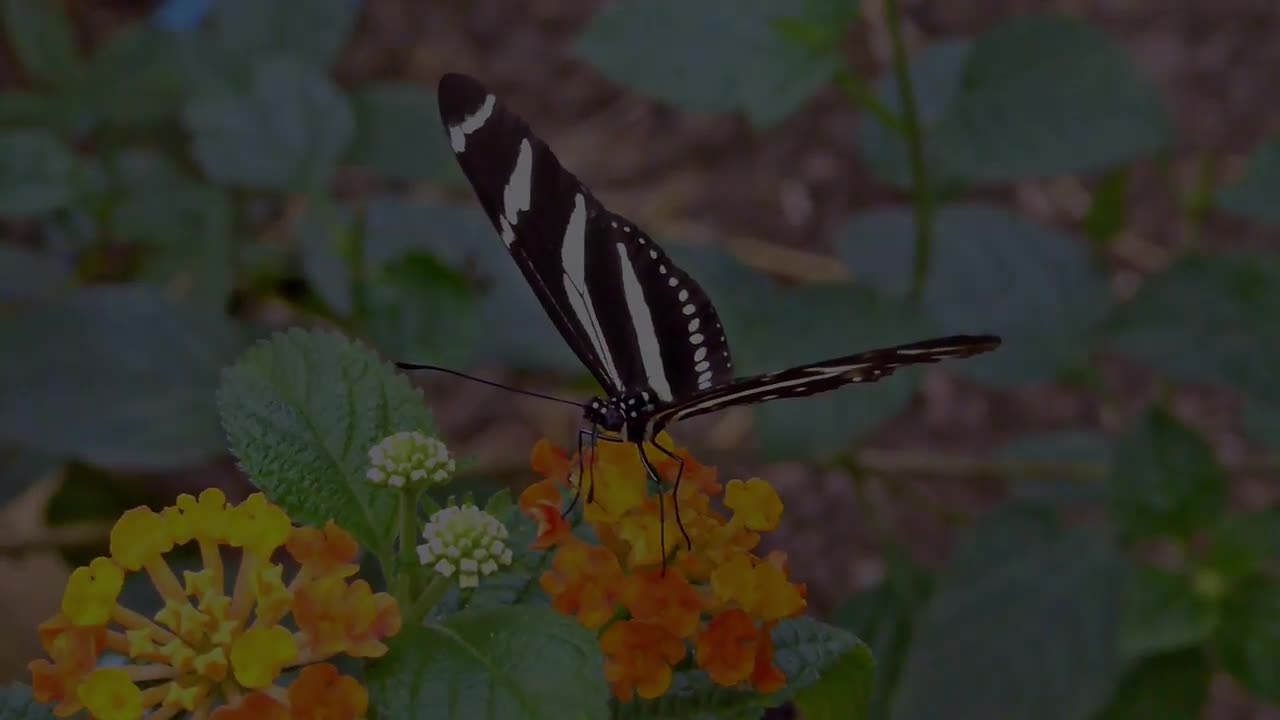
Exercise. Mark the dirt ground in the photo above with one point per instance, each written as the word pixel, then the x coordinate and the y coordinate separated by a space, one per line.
pixel 778 195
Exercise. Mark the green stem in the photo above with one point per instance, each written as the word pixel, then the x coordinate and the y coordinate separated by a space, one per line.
pixel 858 91
pixel 430 597
pixel 408 530
pixel 922 194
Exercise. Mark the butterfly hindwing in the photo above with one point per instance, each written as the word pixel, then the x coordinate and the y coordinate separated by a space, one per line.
pixel 819 377
pixel 634 319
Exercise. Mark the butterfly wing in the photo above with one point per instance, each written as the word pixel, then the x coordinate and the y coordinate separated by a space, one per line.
pixel 636 321
pixel 822 376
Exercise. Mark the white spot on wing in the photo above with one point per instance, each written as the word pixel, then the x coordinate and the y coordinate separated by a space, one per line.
pixel 696 338
pixel 516 196
pixel 693 324
pixel 642 321
pixel 673 282
pixel 688 309
pixel 702 365
pixel 471 123
pixel 702 353
pixel 684 295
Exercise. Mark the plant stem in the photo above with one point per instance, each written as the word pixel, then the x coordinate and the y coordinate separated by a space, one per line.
pixel 858 91
pixel 408 530
pixel 922 189
pixel 430 597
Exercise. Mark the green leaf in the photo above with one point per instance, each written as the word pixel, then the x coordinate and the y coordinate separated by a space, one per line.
pixel 1060 447
pixel 991 271
pixel 1248 638
pixel 302 410
pixel 140 63
pixel 1035 97
pixel 805 650
pixel 759 318
pixel 115 375
pixel 513 662
pixel 693 696
pixel 400 135
pixel 288 132
pixel 324 237
pixel 36 172
pixel 1209 319
pixel 1162 614
pixel 1169 687
pixel 26 274
pixel 1253 195
pixel 41 35
pixel 1261 422
pixel 842 692
pixel 884 617
pixel 1023 625
pixel 421 311
pixel 1242 544
pixel 1108 211
pixel 17 703
pixel 1165 480
pixel 312 31
pixel 716 57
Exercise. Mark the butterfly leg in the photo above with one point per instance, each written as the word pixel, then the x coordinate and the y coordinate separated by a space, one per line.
pixel 675 491
pixel 577 492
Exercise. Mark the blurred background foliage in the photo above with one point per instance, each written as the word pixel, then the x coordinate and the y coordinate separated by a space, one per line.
pixel 1084 524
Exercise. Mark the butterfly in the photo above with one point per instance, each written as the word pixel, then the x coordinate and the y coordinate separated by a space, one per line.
pixel 640 325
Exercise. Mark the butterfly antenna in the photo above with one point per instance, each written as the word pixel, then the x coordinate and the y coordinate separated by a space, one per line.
pixel 472 378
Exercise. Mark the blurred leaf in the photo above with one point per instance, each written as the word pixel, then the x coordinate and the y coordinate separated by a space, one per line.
pixel 1165 480
pixel 761 318
pixel 139 63
pixel 1107 212
pixel 20 469
pixel 1049 96
pixel 1162 614
pixel 693 696
pixel 843 691
pixel 36 172
pixel 26 273
pixel 884 617
pixel 324 238
pixel 937 76
pixel 1242 544
pixel 821 25
pixel 1060 446
pixel 302 410
pixel 288 133
pixel 17 703
pixel 400 135
pixel 1253 195
pixel 118 376
pixel 180 15
pixel 421 311
pixel 1169 687
pixel 991 271
pixel 312 31
pixel 805 650
pixel 501 663
pixel 40 34
pixel 1023 625
pixel 710 57
pixel 1209 319
pixel 1261 422
pixel 1248 637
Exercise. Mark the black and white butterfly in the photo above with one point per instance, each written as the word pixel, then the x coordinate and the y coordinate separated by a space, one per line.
pixel 640 325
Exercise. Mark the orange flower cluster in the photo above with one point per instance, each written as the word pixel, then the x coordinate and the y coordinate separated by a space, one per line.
pixel 717 597
pixel 206 642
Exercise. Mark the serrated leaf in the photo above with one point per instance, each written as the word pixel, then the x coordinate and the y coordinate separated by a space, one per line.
pixel 288 132
pixel 36 171
pixel 1162 614
pixel 1022 625
pixel 26 273
pixel 990 271
pixel 842 692
pixel 41 35
pixel 1209 319
pixel 716 57
pixel 1165 480
pixel 17 703
pixel 119 376
pixel 400 136
pixel 804 649
pixel 1252 196
pixel 312 31
pixel 512 662
pixel 1248 638
pixel 302 410
pixel 1169 687
pixel 1034 97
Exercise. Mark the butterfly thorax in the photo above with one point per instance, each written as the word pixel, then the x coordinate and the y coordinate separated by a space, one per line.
pixel 627 415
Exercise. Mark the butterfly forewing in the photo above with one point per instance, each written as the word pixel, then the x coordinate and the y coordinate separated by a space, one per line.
pixel 633 318
pixel 822 376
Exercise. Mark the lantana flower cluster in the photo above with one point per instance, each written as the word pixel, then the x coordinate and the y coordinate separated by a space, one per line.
pixel 218 646
pixel 716 600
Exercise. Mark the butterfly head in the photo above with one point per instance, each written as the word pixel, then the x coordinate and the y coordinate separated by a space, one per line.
pixel 606 413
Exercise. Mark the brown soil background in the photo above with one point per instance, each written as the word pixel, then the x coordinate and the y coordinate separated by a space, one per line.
pixel 775 197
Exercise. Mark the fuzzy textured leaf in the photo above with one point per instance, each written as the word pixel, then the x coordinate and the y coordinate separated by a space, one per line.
pixel 302 410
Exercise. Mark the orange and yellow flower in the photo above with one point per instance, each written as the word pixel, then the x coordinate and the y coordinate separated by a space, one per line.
pixel 218 644
pixel 653 595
